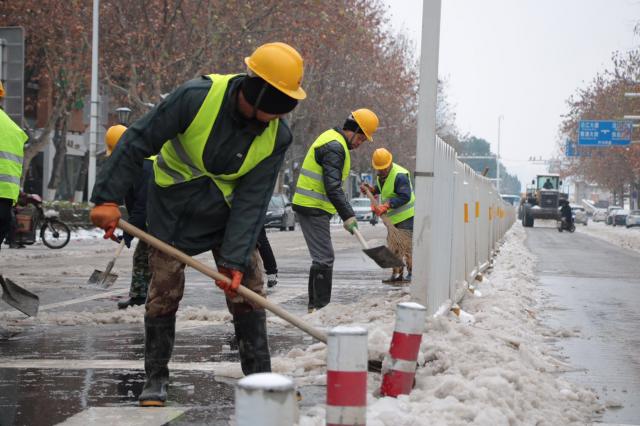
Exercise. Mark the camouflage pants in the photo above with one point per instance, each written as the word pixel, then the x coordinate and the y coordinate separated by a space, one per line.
pixel 140 275
pixel 167 285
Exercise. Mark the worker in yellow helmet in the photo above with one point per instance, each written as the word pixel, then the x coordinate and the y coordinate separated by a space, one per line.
pixel 393 184
pixel 220 141
pixel 319 195
pixel 135 200
pixel 12 140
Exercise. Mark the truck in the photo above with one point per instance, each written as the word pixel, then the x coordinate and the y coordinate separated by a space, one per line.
pixel 541 200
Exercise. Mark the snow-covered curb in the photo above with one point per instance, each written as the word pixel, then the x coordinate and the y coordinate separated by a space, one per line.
pixel 501 369
pixel 617 235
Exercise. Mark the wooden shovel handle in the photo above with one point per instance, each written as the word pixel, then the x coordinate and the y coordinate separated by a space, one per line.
pixel 119 250
pixel 384 217
pixel 212 273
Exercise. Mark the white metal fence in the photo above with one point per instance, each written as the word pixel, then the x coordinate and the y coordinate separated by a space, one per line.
pixel 467 219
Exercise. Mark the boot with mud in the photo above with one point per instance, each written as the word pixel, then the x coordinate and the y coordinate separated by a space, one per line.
pixel 320 282
pixel 253 344
pixel 158 346
pixel 131 301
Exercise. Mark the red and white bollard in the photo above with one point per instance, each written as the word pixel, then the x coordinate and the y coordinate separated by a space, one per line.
pixel 266 399
pixel 400 365
pixel 347 356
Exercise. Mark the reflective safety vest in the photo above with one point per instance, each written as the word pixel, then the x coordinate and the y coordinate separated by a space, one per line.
pixel 405 211
pixel 12 140
pixel 180 159
pixel 310 190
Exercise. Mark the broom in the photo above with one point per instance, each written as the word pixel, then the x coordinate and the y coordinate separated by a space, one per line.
pixel 400 240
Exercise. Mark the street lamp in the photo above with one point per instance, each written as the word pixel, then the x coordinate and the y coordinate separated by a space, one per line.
pixel 123 115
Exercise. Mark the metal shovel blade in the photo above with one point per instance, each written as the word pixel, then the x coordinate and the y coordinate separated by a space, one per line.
pixel 21 299
pixel 384 257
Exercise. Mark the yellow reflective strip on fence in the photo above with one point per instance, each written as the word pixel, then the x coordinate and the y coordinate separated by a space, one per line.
pixel 477 209
pixel 466 213
pixel 490 215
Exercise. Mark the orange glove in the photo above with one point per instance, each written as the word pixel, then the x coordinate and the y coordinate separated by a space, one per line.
pixel 236 279
pixel 106 216
pixel 381 209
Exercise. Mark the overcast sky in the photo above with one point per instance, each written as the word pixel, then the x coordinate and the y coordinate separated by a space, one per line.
pixel 521 59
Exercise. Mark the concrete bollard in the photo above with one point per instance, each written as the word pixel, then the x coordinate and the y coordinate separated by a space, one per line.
pixel 266 399
pixel 400 368
pixel 347 356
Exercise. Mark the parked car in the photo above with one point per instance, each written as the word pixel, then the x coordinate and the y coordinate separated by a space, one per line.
pixel 579 215
pixel 279 214
pixel 633 219
pixel 362 209
pixel 600 215
pixel 610 210
pixel 619 217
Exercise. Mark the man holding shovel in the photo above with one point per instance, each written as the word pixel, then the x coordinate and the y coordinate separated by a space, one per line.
pixel 220 141
pixel 136 202
pixel 393 183
pixel 319 195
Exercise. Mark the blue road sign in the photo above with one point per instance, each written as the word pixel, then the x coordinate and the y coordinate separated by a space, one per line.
pixel 604 133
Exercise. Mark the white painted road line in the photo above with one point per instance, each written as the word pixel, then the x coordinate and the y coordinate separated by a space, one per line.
pixel 125 416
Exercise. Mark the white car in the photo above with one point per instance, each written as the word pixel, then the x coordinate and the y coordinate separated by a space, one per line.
pixel 633 219
pixel 362 209
pixel 579 215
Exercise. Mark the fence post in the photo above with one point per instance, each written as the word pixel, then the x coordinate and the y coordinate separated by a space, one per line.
pixel 266 399
pixel 405 344
pixel 347 356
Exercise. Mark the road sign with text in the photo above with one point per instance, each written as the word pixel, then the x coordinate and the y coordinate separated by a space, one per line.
pixel 604 133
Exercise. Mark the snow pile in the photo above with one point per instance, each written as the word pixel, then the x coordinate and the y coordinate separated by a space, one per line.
pixel 620 236
pixel 499 370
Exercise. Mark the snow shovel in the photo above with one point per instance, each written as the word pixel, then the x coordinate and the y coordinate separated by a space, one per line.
pixel 374 365
pixel 21 299
pixel 384 257
pixel 106 279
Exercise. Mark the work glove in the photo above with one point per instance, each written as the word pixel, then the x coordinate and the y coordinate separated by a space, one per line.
pixel 364 186
pixel 381 209
pixel 236 278
pixel 106 216
pixel 350 224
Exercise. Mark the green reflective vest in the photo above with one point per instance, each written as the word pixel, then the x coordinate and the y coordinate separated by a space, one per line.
pixel 180 159
pixel 310 190
pixel 12 140
pixel 405 211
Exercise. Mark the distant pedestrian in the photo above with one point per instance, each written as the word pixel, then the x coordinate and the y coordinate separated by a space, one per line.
pixel 268 258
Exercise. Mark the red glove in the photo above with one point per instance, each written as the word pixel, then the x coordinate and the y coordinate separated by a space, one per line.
pixel 236 279
pixel 106 216
pixel 381 209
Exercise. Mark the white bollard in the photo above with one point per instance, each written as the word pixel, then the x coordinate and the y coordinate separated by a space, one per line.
pixel 403 353
pixel 347 359
pixel 266 399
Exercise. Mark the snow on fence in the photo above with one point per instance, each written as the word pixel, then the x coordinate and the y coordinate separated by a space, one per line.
pixel 468 218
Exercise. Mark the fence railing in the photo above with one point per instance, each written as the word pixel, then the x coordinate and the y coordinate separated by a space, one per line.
pixel 468 218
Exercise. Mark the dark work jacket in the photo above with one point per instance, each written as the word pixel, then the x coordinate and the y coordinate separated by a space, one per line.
pixel 331 157
pixel 193 216
pixel 135 199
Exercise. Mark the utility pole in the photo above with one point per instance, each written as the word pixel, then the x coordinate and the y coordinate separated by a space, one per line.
pixel 93 124
pixel 423 244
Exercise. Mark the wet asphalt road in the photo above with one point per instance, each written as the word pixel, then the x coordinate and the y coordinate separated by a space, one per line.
pixel 85 374
pixel 594 289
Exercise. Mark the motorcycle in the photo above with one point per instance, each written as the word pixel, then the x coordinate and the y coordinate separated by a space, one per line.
pixel 30 216
pixel 564 226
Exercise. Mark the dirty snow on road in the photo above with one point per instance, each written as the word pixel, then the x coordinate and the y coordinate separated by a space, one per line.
pixel 621 236
pixel 500 369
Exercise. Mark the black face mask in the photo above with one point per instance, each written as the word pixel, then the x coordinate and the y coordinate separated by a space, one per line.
pixel 256 126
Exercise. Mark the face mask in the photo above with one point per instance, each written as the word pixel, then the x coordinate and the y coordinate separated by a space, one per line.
pixel 256 126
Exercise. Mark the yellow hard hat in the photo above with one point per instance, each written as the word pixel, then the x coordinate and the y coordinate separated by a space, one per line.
pixel 112 137
pixel 281 66
pixel 1 90
pixel 367 120
pixel 381 159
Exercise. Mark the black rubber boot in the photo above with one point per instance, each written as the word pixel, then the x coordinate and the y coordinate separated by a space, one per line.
pixel 322 285
pixel 253 344
pixel 158 344
pixel 311 306
pixel 132 301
